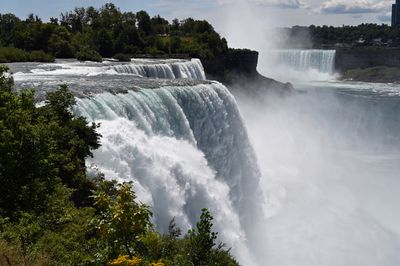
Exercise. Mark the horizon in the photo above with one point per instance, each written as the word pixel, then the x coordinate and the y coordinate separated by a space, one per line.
pixel 271 13
pixel 245 24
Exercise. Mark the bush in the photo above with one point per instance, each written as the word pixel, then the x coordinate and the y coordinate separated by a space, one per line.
pixel 153 51
pixel 87 54
pixel 11 54
pixel 40 56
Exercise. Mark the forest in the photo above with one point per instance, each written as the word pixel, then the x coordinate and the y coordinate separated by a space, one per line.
pixel 90 34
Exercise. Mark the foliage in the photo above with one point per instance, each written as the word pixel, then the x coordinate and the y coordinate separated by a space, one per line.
pixel 10 54
pixel 126 261
pixel 203 239
pixel 108 31
pixel 51 213
pixel 365 34
pixel 87 54
pixel 121 221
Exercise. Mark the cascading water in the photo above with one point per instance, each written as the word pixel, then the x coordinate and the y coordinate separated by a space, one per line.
pixel 303 60
pixel 170 69
pixel 147 68
pixel 186 148
pixel 328 189
pixel 181 141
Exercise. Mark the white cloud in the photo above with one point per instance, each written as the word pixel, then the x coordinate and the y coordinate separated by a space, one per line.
pixel 386 17
pixel 355 6
pixel 271 3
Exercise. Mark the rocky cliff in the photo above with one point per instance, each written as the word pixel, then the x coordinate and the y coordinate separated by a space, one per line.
pixel 238 70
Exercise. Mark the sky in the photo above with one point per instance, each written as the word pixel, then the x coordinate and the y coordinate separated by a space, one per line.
pixel 232 18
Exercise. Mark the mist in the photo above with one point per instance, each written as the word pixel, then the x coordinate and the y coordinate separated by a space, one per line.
pixel 251 26
pixel 329 167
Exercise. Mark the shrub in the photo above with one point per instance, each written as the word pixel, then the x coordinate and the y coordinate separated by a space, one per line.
pixel 87 54
pixel 40 56
pixel 11 54
pixel 153 51
pixel 126 261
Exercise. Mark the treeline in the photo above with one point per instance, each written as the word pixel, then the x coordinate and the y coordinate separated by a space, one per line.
pixel 52 213
pixel 360 35
pixel 90 33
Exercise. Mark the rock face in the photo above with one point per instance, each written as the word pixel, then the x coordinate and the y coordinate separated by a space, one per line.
pixel 366 57
pixel 242 61
pixel 237 69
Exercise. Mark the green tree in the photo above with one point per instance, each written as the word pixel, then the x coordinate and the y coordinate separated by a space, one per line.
pixel 39 147
pixel 202 239
pixel 122 222
pixel 144 22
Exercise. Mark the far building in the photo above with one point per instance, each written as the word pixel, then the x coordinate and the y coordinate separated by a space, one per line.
pixel 396 14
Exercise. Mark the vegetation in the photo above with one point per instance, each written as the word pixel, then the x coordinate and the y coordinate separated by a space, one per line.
pixel 87 54
pixel 10 54
pixel 108 31
pixel 361 35
pixel 51 213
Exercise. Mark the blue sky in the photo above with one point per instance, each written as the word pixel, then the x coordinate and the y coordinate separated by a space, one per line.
pixel 234 19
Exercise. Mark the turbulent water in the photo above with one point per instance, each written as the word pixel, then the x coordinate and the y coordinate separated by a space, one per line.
pixel 166 69
pixel 182 142
pixel 330 163
pixel 310 179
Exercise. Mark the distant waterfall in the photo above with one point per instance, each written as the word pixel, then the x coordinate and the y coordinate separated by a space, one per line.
pixel 186 148
pixel 164 69
pixel 303 60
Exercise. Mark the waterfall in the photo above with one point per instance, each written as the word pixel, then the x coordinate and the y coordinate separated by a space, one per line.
pixel 164 69
pixel 185 148
pixel 146 68
pixel 302 60
pixel 179 139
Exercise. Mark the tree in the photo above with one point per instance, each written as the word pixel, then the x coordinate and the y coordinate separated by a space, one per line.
pixel 40 147
pixel 144 22
pixel 202 239
pixel 122 221
pixel 104 42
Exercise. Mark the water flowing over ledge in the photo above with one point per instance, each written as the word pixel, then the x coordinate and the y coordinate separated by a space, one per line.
pixel 303 60
pixel 145 68
pixel 164 69
pixel 185 148
pixel 182 141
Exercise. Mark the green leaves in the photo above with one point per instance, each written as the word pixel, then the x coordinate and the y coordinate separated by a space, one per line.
pixel 39 146
pixel 51 213
pixel 202 239
pixel 122 221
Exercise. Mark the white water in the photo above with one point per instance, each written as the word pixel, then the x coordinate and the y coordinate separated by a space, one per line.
pixel 330 164
pixel 303 60
pixel 166 70
pixel 327 189
pixel 148 68
pixel 185 148
pixel 299 65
